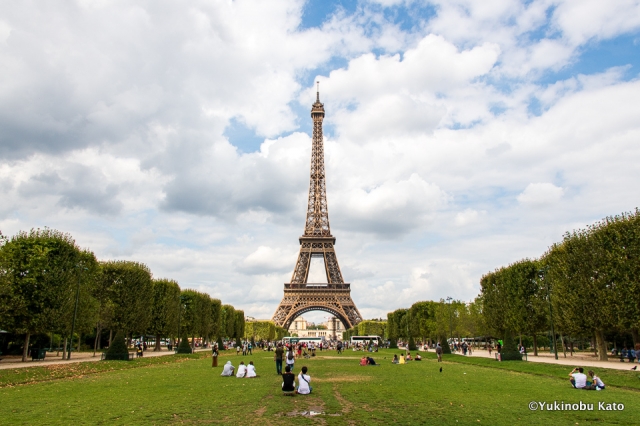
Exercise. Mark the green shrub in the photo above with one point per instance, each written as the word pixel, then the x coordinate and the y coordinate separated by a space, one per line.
pixel 118 350
pixel 412 344
pixel 183 347
pixel 446 349
pixel 509 350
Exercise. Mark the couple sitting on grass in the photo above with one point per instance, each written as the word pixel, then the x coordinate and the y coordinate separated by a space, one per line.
pixel 579 380
pixel 289 382
pixel 244 371
pixel 367 360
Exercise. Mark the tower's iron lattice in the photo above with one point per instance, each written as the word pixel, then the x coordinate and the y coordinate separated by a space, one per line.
pixel 300 296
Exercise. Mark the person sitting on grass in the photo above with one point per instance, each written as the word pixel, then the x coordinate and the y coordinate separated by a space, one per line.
pixel 408 358
pixel 395 359
pixel 418 357
pixel 288 380
pixel 242 370
pixel 363 361
pixel 251 371
pixel 578 378
pixel 402 360
pixel 304 388
pixel 227 371
pixel 370 361
pixel 594 382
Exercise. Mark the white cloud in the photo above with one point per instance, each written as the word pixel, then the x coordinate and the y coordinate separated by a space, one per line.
pixel 540 194
pixel 113 119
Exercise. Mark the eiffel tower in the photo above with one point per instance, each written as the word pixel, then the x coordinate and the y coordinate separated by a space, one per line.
pixel 333 296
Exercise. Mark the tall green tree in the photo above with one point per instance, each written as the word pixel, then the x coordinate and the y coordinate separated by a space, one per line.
pixel 228 328
pixel 40 271
pixel 165 309
pixel 130 287
pixel 216 319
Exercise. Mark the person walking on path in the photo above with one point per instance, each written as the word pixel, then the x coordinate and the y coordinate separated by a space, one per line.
pixel 439 352
pixel 277 357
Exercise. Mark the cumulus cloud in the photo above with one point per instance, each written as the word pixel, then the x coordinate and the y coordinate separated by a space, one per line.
pixel 540 194
pixel 450 142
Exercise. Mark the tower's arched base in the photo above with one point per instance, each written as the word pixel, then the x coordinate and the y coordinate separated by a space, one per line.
pixel 301 298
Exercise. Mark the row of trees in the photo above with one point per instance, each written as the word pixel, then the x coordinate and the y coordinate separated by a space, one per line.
pixel 587 286
pixel 49 285
pixel 263 330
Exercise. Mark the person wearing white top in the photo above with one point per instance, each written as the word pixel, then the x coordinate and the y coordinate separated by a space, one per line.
pixel 228 369
pixel 578 378
pixel 595 382
pixel 304 382
pixel 251 370
pixel 242 370
pixel 290 359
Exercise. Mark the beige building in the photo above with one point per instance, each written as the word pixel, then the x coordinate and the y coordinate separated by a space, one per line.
pixel 334 329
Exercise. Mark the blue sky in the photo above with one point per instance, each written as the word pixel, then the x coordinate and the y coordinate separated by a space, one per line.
pixel 460 135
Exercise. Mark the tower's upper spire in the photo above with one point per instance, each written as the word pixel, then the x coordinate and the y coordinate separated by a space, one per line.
pixel 317 224
pixel 317 109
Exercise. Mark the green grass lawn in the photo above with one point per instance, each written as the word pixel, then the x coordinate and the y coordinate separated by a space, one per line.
pixel 186 390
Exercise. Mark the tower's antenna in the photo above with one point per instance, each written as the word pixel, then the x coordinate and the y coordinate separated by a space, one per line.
pixel 318 91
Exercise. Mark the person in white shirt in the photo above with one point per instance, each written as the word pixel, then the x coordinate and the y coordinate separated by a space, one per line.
pixel 228 369
pixel 242 370
pixel 578 378
pixel 290 359
pixel 304 382
pixel 251 371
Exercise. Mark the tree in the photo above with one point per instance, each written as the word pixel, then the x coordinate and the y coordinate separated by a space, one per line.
pixel 165 309
pixel 216 319
pixel 130 286
pixel 39 272
pixel 228 328
pixel 239 325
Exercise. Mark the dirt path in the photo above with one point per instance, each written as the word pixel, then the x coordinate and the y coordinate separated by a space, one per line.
pixel 577 360
pixel 51 358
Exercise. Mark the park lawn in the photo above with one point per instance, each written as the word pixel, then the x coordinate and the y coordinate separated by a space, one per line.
pixel 192 392
pixel 611 377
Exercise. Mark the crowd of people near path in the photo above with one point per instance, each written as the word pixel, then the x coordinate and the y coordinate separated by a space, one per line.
pixel 282 355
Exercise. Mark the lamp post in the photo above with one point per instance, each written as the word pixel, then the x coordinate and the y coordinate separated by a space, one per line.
pixel 553 332
pixel 75 313
pixel 449 299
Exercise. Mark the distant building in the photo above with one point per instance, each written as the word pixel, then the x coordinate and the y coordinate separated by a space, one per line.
pixel 334 329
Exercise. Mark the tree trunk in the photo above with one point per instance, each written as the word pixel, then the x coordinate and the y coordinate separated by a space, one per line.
pixel 564 347
pixel 193 343
pixel 64 349
pixel 95 343
pixel 535 345
pixel 634 334
pixel 602 345
pixel 110 337
pixel 25 349
pixel 79 340
pixel 157 348
pixel 571 346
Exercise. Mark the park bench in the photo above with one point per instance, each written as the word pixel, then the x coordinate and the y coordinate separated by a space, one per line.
pixel 131 356
pixel 497 356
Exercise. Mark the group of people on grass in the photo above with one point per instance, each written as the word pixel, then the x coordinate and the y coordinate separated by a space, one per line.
pixel 303 386
pixel 244 371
